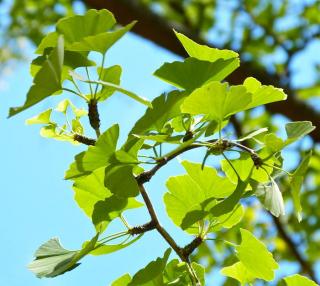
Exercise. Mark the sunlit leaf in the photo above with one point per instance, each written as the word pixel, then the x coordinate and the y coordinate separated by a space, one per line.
pixel 47 81
pixel 255 257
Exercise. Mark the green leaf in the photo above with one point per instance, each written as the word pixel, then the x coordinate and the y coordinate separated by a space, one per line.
pixel 193 73
pixel 54 132
pixel 297 130
pixel 104 249
pixel 244 166
pixel 229 204
pixel 120 181
pixel 187 192
pixel 72 60
pixel 151 271
pixel 176 273
pixel 262 94
pixel 89 190
pixel 216 100
pixel 165 107
pixel 96 156
pixel 296 184
pixel 229 219
pixel 100 43
pixel 299 280
pixel 239 272
pixel 255 257
pixel 78 27
pixel 111 74
pixel 122 281
pixel 205 53
pixel 112 207
pixel 51 259
pixel 42 118
pixel 47 81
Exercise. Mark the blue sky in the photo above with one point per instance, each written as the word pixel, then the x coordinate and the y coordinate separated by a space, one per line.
pixel 38 204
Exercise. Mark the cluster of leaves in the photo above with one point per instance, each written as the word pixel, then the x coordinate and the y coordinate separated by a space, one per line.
pixel 108 178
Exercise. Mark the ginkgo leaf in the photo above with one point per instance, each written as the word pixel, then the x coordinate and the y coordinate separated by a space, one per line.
pixel 205 53
pixel 255 257
pixel 193 73
pixel 47 81
pixel 262 94
pixel 239 272
pixel 51 259
pixel 186 200
pixel 151 271
pixel 298 280
pixel 42 118
pixel 119 179
pixel 295 131
pixel 216 100
pixel 110 208
pixel 122 281
pixel 296 184
pixel 165 107
pixel 96 156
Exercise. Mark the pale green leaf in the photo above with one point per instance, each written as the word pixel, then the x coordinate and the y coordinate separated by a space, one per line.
pixel 96 156
pixel 203 52
pixel 216 100
pixel 42 118
pixel 296 184
pixel 122 281
pixel 239 272
pixel 255 257
pixel 262 94
pixel 299 280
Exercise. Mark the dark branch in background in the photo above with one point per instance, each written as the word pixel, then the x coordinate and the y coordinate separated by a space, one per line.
pixel 153 27
pixel 305 266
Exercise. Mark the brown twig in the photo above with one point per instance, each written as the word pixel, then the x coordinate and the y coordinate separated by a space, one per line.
pixel 84 140
pixel 93 115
